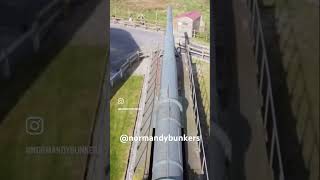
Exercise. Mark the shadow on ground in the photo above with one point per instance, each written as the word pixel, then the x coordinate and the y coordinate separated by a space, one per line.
pixel 122 45
pixel 225 110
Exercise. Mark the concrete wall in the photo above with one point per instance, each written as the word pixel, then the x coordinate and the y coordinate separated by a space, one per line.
pixel 297 26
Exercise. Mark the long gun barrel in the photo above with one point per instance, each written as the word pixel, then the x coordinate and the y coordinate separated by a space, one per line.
pixel 167 156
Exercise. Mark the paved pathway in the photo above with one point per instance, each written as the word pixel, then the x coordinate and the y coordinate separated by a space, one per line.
pixel 192 155
pixel 126 40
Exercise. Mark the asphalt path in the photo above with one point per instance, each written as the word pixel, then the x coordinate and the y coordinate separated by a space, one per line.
pixel 126 40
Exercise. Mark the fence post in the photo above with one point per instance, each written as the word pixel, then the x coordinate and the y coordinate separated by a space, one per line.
pixel 202 53
pixel 138 55
pixel 111 82
pixel 121 73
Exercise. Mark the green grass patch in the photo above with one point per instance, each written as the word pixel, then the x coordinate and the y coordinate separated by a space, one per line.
pixel 139 173
pixel 66 97
pixel 155 10
pixel 203 75
pixel 122 122
pixel 202 41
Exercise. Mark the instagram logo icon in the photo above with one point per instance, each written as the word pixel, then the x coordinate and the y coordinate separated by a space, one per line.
pixel 34 125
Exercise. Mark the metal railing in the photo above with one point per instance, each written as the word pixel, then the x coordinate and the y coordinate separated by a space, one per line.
pixel 197 51
pixel 195 107
pixel 124 67
pixel 38 29
pixel 265 88
pixel 135 23
pixel 134 160
pixel 198 68
pixel 200 52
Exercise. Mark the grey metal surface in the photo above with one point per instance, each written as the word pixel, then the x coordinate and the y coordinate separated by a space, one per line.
pixel 167 156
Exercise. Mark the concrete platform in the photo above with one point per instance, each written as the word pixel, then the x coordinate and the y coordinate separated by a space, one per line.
pixel 192 151
pixel 239 100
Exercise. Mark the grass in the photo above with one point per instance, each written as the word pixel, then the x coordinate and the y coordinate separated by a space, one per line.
pixel 155 10
pixel 203 75
pixel 139 173
pixel 201 41
pixel 66 97
pixel 122 122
